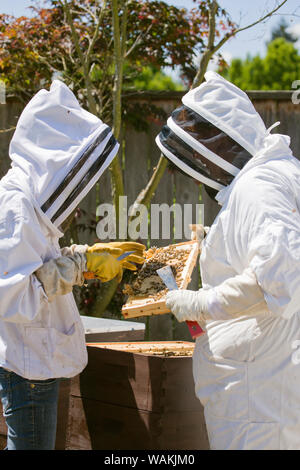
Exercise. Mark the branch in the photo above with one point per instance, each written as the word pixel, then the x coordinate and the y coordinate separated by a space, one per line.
pixel 124 30
pixel 106 106
pixel 87 10
pixel 3 131
pixel 138 41
pixel 118 60
pixel 260 19
pixel 44 61
pixel 74 33
pixel 210 49
pixel 96 32
pixel 236 31
pixel 115 168
pixel 212 24
pixel 146 194
pixel 82 57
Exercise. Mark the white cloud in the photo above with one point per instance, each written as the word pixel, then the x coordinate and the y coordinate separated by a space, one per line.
pixel 294 29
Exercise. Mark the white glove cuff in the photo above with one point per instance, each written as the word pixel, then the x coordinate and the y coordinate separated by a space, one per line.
pixel 71 250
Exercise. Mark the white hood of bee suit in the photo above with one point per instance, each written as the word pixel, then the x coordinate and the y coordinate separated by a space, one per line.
pixel 230 109
pixel 58 151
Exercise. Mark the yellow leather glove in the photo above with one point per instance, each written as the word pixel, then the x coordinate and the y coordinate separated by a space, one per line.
pixel 103 266
pixel 118 248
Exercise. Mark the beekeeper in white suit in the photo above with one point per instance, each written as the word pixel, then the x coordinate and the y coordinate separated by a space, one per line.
pixel 58 153
pixel 246 366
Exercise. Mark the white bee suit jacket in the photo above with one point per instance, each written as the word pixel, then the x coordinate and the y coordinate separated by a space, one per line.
pixel 58 152
pixel 247 369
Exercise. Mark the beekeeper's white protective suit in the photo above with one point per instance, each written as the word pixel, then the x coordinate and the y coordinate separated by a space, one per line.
pixel 58 152
pixel 247 367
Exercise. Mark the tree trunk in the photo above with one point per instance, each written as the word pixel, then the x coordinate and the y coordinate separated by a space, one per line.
pixel 116 170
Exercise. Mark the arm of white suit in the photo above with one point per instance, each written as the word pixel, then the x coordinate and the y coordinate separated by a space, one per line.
pixel 58 276
pixel 237 296
pixel 21 243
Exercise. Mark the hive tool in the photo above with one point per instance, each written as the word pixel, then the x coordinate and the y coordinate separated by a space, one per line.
pixel 168 279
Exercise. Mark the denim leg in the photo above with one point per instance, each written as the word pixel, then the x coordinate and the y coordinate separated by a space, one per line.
pixel 30 411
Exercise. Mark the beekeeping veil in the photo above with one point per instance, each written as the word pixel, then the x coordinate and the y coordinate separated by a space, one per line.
pixel 214 134
pixel 58 152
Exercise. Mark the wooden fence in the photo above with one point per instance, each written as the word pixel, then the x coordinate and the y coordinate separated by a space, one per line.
pixel 140 154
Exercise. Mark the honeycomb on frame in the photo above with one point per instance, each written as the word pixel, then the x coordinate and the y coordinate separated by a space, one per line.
pixel 146 292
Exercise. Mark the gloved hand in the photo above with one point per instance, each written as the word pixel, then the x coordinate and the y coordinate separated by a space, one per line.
pixel 198 232
pixel 59 275
pixel 237 296
pixel 118 248
pixel 187 305
pixel 103 266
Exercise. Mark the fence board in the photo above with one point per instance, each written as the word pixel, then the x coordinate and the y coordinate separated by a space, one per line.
pixel 160 328
pixel 289 116
pixel 9 114
pixel 136 172
pixel 86 235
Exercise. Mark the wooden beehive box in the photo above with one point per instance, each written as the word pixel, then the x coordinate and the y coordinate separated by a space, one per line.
pixel 140 302
pixel 134 396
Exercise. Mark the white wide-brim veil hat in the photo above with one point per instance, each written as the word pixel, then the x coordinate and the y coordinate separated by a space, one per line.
pixel 59 151
pixel 215 133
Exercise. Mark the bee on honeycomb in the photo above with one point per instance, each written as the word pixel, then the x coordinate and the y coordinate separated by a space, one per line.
pixel 146 282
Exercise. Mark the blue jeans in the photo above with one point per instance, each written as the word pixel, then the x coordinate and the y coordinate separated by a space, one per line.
pixel 30 411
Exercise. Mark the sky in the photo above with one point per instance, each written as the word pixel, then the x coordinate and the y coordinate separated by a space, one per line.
pixel 252 41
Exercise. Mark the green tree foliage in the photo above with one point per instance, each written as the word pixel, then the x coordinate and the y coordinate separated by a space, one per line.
pixel 276 71
pixel 152 78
